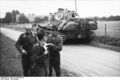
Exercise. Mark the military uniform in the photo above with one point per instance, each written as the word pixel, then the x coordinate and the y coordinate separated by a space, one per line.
pixel 26 42
pixel 39 60
pixel 54 53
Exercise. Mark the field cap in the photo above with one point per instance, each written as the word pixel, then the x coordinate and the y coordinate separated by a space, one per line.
pixel 28 26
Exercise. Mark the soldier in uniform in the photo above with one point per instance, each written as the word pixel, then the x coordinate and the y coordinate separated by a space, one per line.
pixel 24 45
pixel 39 57
pixel 55 46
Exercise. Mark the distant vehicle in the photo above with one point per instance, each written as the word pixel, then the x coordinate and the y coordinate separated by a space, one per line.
pixel 70 26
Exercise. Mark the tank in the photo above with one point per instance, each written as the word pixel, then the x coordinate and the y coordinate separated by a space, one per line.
pixel 70 25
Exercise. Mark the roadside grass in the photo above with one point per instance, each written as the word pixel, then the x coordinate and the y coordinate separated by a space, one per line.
pixel 108 40
pixel 10 59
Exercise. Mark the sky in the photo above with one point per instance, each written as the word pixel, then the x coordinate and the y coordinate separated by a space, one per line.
pixel 85 8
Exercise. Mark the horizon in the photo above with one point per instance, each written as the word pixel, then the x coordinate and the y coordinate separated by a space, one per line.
pixel 86 8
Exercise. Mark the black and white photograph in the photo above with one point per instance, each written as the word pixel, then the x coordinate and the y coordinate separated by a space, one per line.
pixel 59 38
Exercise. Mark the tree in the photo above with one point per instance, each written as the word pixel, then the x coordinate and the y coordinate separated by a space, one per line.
pixel 114 18
pixel 8 17
pixel 117 18
pixel 14 13
pixel 23 19
pixel 0 20
pixel 45 18
pixel 96 18
pixel 38 19
pixel 103 18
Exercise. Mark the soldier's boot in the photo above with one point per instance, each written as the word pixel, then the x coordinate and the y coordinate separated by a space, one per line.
pixel 46 71
pixel 57 70
pixel 50 70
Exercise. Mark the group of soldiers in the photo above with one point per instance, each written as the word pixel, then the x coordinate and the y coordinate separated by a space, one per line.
pixel 40 53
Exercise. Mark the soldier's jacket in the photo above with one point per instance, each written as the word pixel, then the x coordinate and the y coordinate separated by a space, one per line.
pixel 26 42
pixel 38 55
pixel 57 41
pixel 39 61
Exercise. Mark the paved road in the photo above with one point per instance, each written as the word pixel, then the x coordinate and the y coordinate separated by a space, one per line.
pixel 84 60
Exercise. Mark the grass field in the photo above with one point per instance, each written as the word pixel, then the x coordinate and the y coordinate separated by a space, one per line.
pixel 112 28
pixel 112 36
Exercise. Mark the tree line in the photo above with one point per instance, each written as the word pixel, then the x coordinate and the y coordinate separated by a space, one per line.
pixel 110 18
pixel 10 17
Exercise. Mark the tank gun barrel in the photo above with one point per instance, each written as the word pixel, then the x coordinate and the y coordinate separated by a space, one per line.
pixel 44 28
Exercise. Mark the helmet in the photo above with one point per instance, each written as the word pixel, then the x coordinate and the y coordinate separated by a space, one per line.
pixel 29 26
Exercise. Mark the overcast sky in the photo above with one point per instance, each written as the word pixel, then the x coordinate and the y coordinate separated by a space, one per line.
pixel 85 8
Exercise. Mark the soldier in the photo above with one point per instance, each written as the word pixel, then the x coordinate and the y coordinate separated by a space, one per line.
pixel 39 58
pixel 50 17
pixel 24 45
pixel 55 46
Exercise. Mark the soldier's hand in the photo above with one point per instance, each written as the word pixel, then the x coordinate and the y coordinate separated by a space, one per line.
pixel 51 44
pixel 36 44
pixel 24 52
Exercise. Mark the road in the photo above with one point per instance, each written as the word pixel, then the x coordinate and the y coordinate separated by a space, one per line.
pixel 84 60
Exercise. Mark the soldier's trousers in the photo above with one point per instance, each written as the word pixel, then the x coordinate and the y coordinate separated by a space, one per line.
pixel 54 62
pixel 26 64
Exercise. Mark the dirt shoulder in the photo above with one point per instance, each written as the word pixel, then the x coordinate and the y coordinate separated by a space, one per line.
pixel 97 44
pixel 11 60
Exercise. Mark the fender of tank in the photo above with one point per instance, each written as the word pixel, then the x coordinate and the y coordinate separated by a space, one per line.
pixel 69 26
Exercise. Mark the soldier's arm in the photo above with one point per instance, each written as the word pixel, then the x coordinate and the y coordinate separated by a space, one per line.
pixel 19 44
pixel 58 46
pixel 36 38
